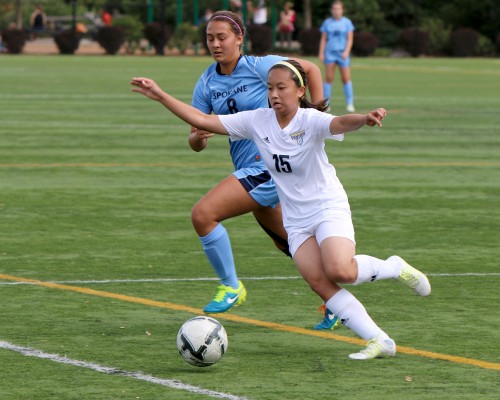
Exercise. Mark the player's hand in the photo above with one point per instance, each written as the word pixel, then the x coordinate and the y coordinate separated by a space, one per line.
pixel 201 135
pixel 198 138
pixel 375 117
pixel 147 87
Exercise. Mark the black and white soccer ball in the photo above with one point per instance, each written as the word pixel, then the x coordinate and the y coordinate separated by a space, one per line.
pixel 202 341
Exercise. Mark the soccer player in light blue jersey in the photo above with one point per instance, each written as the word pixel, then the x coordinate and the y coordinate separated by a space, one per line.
pixel 234 83
pixel 334 49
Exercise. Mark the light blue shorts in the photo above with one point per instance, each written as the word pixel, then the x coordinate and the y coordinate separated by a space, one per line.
pixel 335 57
pixel 258 183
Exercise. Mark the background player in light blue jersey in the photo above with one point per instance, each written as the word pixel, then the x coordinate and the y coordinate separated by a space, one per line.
pixel 237 83
pixel 335 48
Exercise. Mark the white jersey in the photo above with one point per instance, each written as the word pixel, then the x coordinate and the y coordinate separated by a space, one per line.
pixel 296 159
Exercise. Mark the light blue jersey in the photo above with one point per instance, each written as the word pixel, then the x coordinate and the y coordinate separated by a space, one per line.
pixel 336 33
pixel 245 89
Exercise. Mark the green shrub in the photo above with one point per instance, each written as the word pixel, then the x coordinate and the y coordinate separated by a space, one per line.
pixel 382 52
pixel 133 30
pixel 364 44
pixel 485 47
pixel 261 37
pixel 203 37
pixel 464 42
pixel 67 41
pixel 415 41
pixel 14 40
pixel 439 35
pixel 309 41
pixel 387 33
pixel 110 38
pixel 186 36
pixel 152 32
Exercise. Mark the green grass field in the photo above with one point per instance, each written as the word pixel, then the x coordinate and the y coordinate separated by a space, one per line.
pixel 97 184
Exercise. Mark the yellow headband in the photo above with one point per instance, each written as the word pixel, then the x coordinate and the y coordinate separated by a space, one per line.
pixel 294 70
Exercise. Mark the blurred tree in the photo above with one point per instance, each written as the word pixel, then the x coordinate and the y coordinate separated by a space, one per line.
pixel 403 14
pixel 384 18
pixel 483 16
pixel 439 35
pixel 19 14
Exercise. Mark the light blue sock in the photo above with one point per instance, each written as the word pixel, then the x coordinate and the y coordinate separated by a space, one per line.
pixel 349 93
pixel 217 247
pixel 327 90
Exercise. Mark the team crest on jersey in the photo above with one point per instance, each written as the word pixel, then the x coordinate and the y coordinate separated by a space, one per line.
pixel 298 136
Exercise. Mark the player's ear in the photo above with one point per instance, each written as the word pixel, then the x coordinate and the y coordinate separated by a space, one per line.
pixel 239 40
pixel 302 91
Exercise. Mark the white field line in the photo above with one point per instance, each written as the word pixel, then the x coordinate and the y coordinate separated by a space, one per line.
pixel 173 384
pixel 252 278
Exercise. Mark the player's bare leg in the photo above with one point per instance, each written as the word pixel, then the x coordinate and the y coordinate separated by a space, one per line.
pixel 309 257
pixel 226 200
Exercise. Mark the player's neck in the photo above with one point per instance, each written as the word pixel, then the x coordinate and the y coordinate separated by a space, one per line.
pixel 228 67
pixel 285 118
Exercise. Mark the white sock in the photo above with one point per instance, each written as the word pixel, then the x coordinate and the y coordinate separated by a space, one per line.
pixel 353 315
pixel 373 269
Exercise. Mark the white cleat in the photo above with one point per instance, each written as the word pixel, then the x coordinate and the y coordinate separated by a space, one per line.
pixel 350 108
pixel 376 349
pixel 412 277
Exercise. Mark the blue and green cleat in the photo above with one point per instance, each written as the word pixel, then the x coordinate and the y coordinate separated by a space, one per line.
pixel 330 320
pixel 225 298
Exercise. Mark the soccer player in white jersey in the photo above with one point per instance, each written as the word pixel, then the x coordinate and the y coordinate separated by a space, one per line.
pixel 235 83
pixel 316 211
pixel 337 34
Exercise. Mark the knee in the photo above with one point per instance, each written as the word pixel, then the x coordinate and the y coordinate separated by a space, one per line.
pixel 201 215
pixel 342 272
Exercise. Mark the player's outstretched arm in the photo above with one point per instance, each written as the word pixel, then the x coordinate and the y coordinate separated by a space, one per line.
pixel 187 113
pixel 352 122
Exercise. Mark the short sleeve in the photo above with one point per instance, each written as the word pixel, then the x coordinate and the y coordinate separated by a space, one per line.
pixel 323 26
pixel 200 100
pixel 320 123
pixel 238 125
pixel 350 26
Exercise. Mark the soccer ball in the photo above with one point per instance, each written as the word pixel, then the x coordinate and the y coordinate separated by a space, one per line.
pixel 202 341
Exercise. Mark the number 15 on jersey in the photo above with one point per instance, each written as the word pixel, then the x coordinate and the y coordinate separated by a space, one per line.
pixel 281 163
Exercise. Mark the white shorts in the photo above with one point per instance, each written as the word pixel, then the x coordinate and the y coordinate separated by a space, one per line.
pixel 330 223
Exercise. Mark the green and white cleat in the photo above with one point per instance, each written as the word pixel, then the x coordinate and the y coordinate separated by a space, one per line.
pixel 412 277
pixel 330 320
pixel 376 349
pixel 225 298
